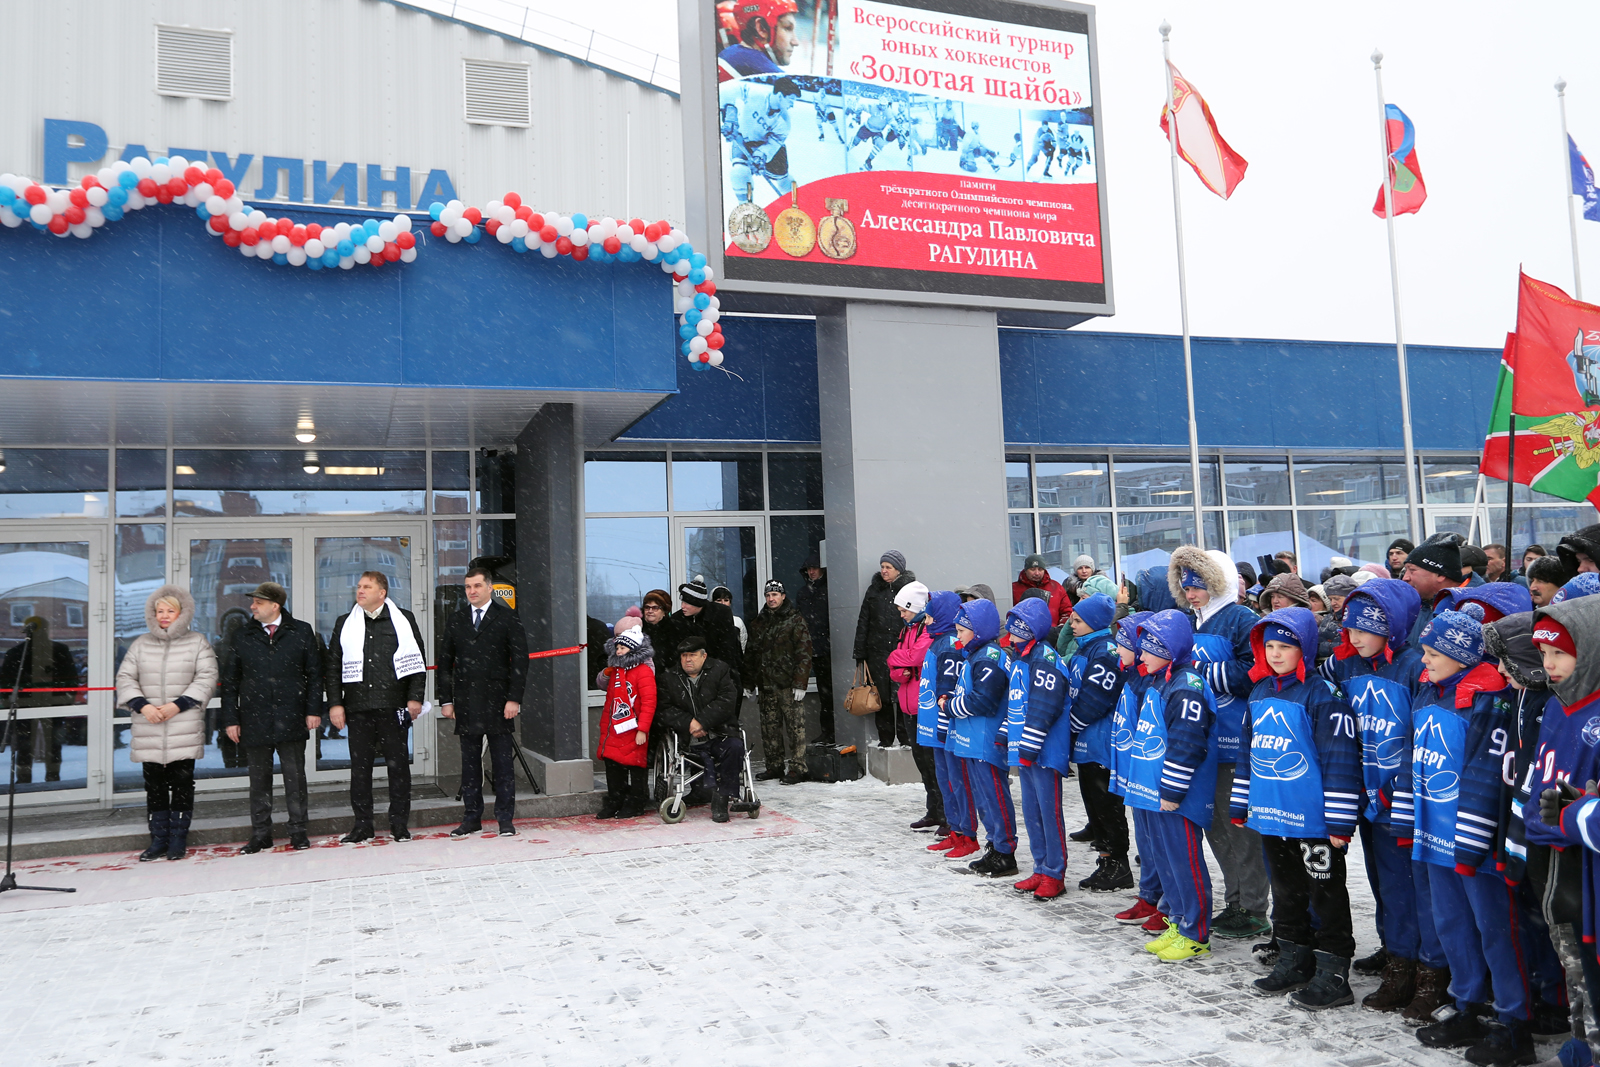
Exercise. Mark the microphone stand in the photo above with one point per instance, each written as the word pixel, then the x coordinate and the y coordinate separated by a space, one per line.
pixel 9 881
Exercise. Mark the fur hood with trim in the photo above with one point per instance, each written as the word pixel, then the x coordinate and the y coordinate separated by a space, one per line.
pixel 180 625
pixel 619 654
pixel 1214 568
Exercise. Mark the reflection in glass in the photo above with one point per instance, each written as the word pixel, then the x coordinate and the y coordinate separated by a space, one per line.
pixel 44 588
pixel 625 481
pixel 141 570
pixel 54 483
pixel 232 482
pixel 725 555
pixel 1361 534
pixel 1147 538
pixel 624 559
pixel 1063 538
pixel 450 483
pixel 1164 483
pixel 497 469
pixel 1018 493
pixel 50 753
pixel 716 481
pixel 1256 482
pixel 1259 533
pixel 141 482
pixel 794 539
pixel 794 481
pixel 1021 537
pixel 1535 526
pixel 1073 482
pixel 1359 481
pixel 497 539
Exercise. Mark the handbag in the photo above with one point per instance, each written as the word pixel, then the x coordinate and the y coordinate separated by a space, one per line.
pixel 863 698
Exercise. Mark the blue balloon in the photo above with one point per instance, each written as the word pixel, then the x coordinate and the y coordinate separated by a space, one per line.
pixel 697 275
pixel 112 212
pixel 702 301
pixel 685 250
pixel 330 258
pixel 200 209
pixel 435 209
pixel 475 236
pixel 371 226
pixel 8 195
pixel 628 255
pixel 685 332
pixel 127 179
pixel 697 260
pixel 691 316
pixel 580 222
pixel 518 245
pixel 701 366
pixel 314 263
pixel 117 195
pixel 279 258
pixel 358 234
pixel 684 348
pixel 159 160
pixel 346 247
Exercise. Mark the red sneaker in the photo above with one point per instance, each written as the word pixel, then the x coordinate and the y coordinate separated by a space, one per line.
pixel 1048 888
pixel 1029 884
pixel 1157 924
pixel 1135 916
pixel 946 842
pixel 965 846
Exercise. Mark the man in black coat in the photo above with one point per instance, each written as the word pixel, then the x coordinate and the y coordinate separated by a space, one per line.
pixel 271 680
pixel 811 599
pixel 381 688
pixel 699 700
pixel 698 617
pixel 483 669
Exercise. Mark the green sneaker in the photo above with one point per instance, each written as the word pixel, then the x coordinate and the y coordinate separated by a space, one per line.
pixel 1164 940
pixel 1182 949
pixel 1237 923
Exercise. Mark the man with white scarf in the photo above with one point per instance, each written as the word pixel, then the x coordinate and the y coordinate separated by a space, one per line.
pixel 375 677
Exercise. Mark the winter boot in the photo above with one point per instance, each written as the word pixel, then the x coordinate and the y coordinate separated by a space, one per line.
pixel 1397 989
pixel 1550 1020
pixel 927 822
pixel 1049 888
pixel 1135 916
pixel 1114 874
pixel 1082 835
pixel 1433 993
pixel 1295 967
pixel 964 847
pixel 178 839
pixel 160 823
pixel 1459 1030
pixel 1503 1045
pixel 719 808
pixel 1091 882
pixel 995 864
pixel 609 807
pixel 1330 988
pixel 1028 884
pixel 944 844
pixel 1373 964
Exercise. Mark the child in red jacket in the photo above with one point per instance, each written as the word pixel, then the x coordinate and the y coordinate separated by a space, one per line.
pixel 630 706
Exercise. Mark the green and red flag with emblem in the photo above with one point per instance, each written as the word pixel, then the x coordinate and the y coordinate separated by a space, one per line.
pixel 1405 173
pixel 1558 351
pixel 1558 454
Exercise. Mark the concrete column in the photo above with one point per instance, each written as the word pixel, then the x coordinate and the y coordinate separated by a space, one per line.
pixel 549 509
pixel 913 458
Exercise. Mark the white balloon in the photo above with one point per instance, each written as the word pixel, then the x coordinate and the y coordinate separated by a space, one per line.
pixel 452 236
pixel 626 233
pixel 297 257
pixel 707 269
pixel 346 262
pixel 681 268
pixel 257 217
pixel 686 288
pixel 40 213
pixel 216 205
pixel 281 245
pixel 491 207
pixel 580 238
pixel 136 202
pixel 693 357
pixel 8 218
pixel 505 213
pixel 666 268
pixel 716 358
pixel 161 173
pixel 456 206
pixel 697 344
pixel 107 175
pixel 341 231
pixel 404 222
pixel 710 315
pixel 548 251
pixel 238 221
pixel 81 230
pixel 703 327
pixel 189 199
pixel 388 231
pixel 680 305
pixel 94 216
pixel 648 252
pixel 177 164
pixel 408 255
pixel 461 227
pixel 57 201
pixel 315 248
pixel 142 167
pixel 248 251
pixel 449 216
pixel 363 256
pixel 97 196
pixel 233 204
pixel 263 249
pixel 205 192
pixel 563 226
pixel 597 233
pixel 375 243
pixel 503 234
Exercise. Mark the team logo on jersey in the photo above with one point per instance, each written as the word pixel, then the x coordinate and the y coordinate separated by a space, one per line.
pixel 1436 782
pixel 1151 747
pixel 1382 745
pixel 1271 758
pixel 1591 732
pixel 1196 682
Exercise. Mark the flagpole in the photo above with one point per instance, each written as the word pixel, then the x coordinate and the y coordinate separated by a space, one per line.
pixel 1399 331
pixel 1572 211
pixel 1183 291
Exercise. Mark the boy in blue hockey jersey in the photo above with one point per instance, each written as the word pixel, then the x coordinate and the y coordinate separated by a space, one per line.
pixel 1378 671
pixel 1173 772
pixel 940 669
pixel 1301 790
pixel 1094 685
pixel 1044 746
pixel 1146 911
pixel 1208 582
pixel 977 708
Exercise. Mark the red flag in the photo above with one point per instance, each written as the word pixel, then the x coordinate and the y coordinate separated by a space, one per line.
pixel 1198 141
pixel 1405 173
pixel 1558 351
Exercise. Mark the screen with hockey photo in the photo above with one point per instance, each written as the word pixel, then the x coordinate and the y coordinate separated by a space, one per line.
pixel 928 146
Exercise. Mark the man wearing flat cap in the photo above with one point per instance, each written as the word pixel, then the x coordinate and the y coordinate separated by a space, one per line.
pixel 271 697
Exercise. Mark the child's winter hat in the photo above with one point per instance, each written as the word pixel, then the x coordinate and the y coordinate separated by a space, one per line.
pixel 633 637
pixel 1097 584
pixel 1128 629
pixel 1586 584
pixel 1458 636
pixel 1150 641
pixel 1191 580
pixel 1029 620
pixel 1096 611
pixel 694 592
pixel 1548 631
pixel 1367 615
pixel 1281 634
pixel 913 596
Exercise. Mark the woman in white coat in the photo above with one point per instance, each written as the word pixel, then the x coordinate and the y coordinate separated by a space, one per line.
pixel 165 681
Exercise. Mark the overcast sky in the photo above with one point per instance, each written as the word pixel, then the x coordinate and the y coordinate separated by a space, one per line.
pixel 1296 252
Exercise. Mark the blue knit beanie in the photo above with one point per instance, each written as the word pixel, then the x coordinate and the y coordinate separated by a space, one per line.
pixel 1458 636
pixel 1097 611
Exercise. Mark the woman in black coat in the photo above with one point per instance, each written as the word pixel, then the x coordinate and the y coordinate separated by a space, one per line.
pixel 877 632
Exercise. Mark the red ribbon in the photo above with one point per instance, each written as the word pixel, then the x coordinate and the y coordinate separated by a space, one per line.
pixel 571 650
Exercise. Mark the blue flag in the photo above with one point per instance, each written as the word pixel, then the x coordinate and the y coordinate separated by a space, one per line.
pixel 1583 181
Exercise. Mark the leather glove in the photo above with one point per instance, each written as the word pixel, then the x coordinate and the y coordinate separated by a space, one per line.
pixel 1553 801
pixel 799 694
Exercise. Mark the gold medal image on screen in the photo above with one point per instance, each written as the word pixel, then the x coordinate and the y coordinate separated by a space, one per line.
pixel 749 226
pixel 836 235
pixel 796 233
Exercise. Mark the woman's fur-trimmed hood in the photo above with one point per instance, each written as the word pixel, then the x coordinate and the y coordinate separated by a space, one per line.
pixel 180 625
pixel 1214 568
pixel 628 658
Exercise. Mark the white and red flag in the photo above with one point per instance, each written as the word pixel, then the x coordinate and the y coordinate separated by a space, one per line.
pixel 1198 140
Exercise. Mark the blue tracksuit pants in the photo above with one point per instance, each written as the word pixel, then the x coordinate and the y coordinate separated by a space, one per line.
pixel 1185 877
pixel 1430 953
pixel 1389 872
pixel 956 790
pixel 1480 925
pixel 1041 811
pixel 1149 861
pixel 991 797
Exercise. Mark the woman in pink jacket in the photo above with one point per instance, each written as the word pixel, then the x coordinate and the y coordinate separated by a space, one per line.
pixel 905 669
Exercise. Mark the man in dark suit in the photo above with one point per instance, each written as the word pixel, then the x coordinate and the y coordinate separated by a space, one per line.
pixel 483 668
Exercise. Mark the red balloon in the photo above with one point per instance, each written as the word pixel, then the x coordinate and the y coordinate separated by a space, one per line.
pixel 313 230
pixel 213 178
pixel 89 181
pixel 580 254
pixel 163 194
pixel 564 246
pixel 194 175
pixel 439 229
pixel 406 239
pixel 613 245
pixel 535 221
pixel 177 186
pixel 636 225
pixel 74 214
pixel 232 238
pixel 285 224
pixel 391 252
pixel 34 194
pixel 249 235
pixel 548 234
pixel 512 200
pixel 652 233
pixel 493 226
pixel 223 188
pixel 524 213
pixel 707 287
pixel 58 224
pixel 664 226
pixel 220 224
pixel 146 187
pixel 714 340
pixel 297 236
pixel 472 215
pixel 78 198
pixel 705 357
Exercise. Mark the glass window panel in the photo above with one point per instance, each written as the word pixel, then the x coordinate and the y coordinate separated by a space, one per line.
pixel 141 570
pixel 497 481
pixel 1018 492
pixel 1319 483
pixel 1073 481
pixel 498 538
pixel 236 482
pixel 716 481
pixel 1256 482
pixel 1494 491
pixel 1535 526
pixel 726 556
pixel 1021 537
pixel 1065 537
pixel 625 481
pixel 452 550
pixel 624 559
pixel 46 581
pixel 54 483
pixel 795 481
pixel 1146 538
pixel 1361 534
pixel 1450 481
pixel 141 482
pixel 50 753
pixel 794 539
pixel 450 483
pixel 1164 483
pixel 1252 534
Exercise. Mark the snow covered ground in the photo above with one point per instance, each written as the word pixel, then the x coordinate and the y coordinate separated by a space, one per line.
pixel 847 945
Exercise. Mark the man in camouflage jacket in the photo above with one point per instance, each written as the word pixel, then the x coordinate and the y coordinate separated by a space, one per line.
pixel 778 661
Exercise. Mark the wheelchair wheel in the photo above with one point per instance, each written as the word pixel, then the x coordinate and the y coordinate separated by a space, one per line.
pixel 673 810
pixel 755 809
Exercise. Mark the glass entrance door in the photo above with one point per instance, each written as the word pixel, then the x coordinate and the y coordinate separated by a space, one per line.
pixel 728 551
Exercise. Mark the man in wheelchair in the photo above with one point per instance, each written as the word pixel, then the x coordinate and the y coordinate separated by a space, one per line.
pixel 698 701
